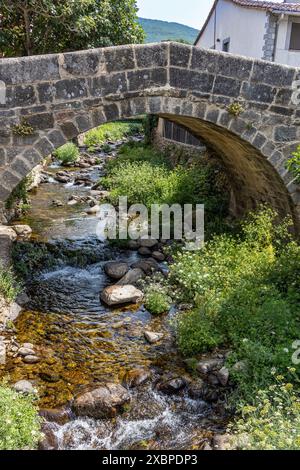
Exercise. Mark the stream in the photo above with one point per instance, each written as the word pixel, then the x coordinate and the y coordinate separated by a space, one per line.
pixel 82 343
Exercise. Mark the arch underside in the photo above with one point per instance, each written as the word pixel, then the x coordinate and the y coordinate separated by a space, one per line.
pixel 254 180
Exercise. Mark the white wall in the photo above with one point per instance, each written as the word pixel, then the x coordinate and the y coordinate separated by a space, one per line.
pixel 244 26
pixel 283 55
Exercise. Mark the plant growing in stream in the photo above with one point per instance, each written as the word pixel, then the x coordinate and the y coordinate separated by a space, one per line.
pixel 19 420
pixel 67 154
pixel 157 300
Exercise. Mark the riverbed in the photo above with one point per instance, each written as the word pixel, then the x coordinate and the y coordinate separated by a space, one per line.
pixel 82 343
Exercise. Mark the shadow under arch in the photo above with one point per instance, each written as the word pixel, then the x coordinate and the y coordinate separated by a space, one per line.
pixel 249 158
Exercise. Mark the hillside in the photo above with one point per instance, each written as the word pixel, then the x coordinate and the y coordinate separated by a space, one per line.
pixel 157 31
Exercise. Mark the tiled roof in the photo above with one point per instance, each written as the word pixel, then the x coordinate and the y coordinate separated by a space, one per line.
pixel 293 7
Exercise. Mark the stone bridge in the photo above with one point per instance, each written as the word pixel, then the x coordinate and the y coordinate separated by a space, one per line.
pixel 63 95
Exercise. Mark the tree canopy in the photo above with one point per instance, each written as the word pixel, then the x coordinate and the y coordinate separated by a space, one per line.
pixel 29 27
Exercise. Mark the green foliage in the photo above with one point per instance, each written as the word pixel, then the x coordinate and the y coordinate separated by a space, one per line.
pixel 293 164
pixel 145 176
pixel 111 131
pixel 19 421
pixel 157 300
pixel 23 129
pixel 48 26
pixel 67 154
pixel 9 288
pixel 157 31
pixel 271 422
pixel 245 290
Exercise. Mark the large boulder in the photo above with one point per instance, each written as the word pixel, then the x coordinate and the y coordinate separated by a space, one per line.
pixel 116 270
pixel 118 295
pixel 103 402
pixel 132 277
pixel 23 231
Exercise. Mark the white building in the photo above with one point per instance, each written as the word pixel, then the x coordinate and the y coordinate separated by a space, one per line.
pixel 260 29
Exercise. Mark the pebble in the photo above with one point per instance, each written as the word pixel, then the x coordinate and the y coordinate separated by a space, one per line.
pixel 153 337
pixel 24 386
pixel 26 351
pixel 31 359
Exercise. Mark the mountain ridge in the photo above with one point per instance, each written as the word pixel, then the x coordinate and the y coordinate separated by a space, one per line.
pixel 158 30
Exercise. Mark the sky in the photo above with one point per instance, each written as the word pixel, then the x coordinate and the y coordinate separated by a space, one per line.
pixel 190 12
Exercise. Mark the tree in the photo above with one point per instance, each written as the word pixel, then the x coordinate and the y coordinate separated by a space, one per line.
pixel 29 27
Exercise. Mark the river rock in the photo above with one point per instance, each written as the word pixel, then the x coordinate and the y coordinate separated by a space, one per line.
pixel 60 416
pixel 103 402
pixel 152 337
pixel 133 245
pixel 196 389
pixel 62 178
pixel 157 255
pixel 148 243
pixel 24 386
pixel 136 377
pixel 49 441
pixel 132 277
pixel 118 295
pixel 22 230
pixel 173 386
pixel 31 359
pixel 2 352
pixel 8 232
pixel 93 210
pixel 25 351
pixel 144 251
pixel 116 270
pixel 28 345
pixel 208 365
pixel 57 203
pixel 223 376
pixel 148 266
pixel 49 377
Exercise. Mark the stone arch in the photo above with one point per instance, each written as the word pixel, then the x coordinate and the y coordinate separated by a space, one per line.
pixel 63 95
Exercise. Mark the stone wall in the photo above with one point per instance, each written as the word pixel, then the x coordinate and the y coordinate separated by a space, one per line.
pixel 62 95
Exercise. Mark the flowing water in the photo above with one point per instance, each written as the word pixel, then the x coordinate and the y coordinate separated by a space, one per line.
pixel 82 343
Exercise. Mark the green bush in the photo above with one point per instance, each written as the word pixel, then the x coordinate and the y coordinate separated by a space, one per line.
pixel 145 176
pixel 112 131
pixel 271 422
pixel 9 287
pixel 67 154
pixel 19 421
pixel 245 290
pixel 156 300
